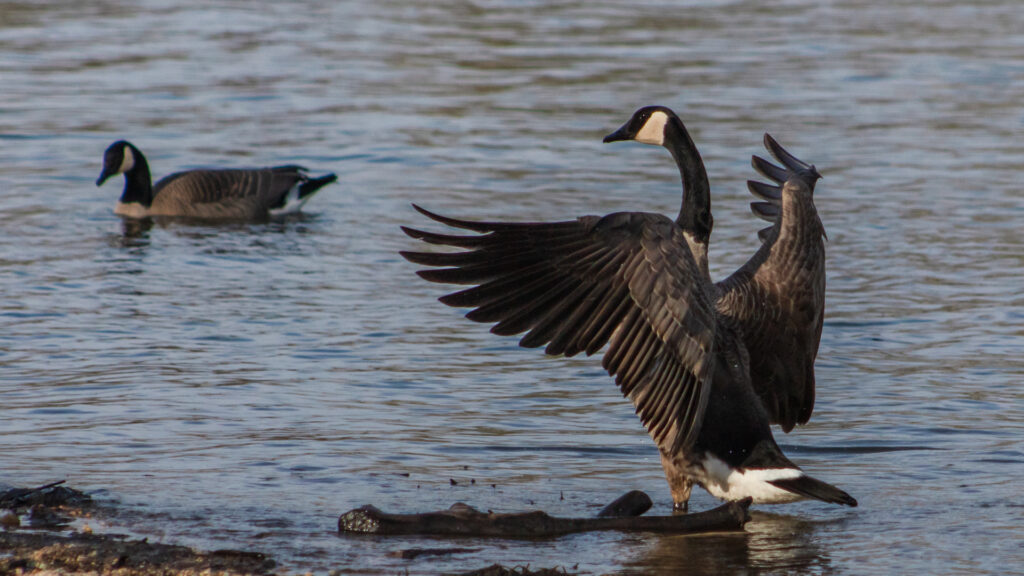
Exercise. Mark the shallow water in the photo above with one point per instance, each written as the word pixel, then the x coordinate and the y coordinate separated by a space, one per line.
pixel 241 386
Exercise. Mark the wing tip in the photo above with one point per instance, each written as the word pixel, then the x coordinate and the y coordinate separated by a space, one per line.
pixel 456 222
pixel 413 232
pixel 806 171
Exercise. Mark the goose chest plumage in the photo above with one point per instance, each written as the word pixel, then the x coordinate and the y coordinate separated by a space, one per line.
pixel 228 194
pixel 709 367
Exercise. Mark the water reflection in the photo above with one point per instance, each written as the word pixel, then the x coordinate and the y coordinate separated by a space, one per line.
pixel 771 544
pixel 135 232
pixel 278 235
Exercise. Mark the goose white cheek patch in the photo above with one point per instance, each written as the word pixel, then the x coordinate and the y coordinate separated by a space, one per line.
pixel 128 162
pixel 653 131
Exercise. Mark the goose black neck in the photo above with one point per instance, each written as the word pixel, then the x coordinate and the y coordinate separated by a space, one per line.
pixel 695 213
pixel 138 185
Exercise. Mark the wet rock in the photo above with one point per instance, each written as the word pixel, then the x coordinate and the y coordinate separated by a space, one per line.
pixel 9 519
pixel 97 554
pixel 51 495
pixel 50 549
pixel 44 517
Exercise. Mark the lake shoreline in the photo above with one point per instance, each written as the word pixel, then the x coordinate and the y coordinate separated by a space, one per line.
pixel 46 530
pixel 37 538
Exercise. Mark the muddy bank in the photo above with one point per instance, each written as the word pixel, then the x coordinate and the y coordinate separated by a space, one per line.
pixel 37 538
pixel 45 530
pixel 41 552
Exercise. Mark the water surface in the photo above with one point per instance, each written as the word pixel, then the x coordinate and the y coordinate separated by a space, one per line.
pixel 241 386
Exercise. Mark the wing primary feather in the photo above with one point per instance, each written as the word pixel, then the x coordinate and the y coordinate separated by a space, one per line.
pixel 558 319
pixel 481 271
pixel 501 305
pixel 495 289
pixel 445 239
pixel 479 274
pixel 470 258
pixel 769 170
pixel 782 155
pixel 573 339
pixel 765 210
pixel 493 226
pixel 457 223
pixel 524 316
pixel 497 241
pixel 764 191
pixel 559 330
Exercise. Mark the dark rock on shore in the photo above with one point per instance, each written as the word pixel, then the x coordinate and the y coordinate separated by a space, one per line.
pixel 30 552
pixel 50 549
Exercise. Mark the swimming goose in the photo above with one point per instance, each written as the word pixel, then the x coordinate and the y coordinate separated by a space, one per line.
pixel 638 282
pixel 245 194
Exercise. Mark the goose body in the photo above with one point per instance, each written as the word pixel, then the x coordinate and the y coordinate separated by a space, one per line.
pixel 637 284
pixel 227 194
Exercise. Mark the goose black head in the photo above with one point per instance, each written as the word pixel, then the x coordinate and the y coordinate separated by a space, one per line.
pixel 647 126
pixel 118 159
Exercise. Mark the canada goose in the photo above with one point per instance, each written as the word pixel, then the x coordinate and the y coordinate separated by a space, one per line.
pixel 245 194
pixel 640 281
pixel 777 298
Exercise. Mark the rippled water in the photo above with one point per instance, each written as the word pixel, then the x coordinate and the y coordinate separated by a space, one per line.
pixel 241 386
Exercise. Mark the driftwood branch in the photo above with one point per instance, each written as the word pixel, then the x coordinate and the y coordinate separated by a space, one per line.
pixel 632 503
pixel 463 520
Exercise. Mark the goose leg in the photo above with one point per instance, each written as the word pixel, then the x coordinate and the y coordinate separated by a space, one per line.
pixel 679 483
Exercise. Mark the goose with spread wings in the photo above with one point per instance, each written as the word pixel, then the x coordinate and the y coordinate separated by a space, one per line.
pixel 212 193
pixel 637 285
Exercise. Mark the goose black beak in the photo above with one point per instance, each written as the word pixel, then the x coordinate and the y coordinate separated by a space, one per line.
pixel 103 177
pixel 620 134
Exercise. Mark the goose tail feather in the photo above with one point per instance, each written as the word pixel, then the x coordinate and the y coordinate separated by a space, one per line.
pixel 815 489
pixel 311 185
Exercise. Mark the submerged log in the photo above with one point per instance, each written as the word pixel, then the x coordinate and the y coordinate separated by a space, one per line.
pixel 464 520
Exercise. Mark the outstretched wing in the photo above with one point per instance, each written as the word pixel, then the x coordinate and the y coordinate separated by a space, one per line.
pixel 627 278
pixel 778 297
